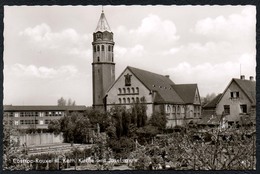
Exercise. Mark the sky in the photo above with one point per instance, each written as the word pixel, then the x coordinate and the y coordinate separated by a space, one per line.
pixel 48 49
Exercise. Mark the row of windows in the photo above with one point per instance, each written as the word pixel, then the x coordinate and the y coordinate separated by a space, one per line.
pixel 128 90
pixel 25 122
pixel 243 109
pixel 129 100
pixel 36 114
pixel 29 122
pixel 102 48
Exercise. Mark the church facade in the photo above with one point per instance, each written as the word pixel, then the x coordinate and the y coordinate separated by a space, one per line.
pixel 180 102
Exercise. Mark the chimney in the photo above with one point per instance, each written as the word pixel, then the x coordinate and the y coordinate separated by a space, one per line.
pixel 168 76
pixel 251 78
pixel 242 77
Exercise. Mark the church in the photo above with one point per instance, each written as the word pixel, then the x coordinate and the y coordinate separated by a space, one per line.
pixel 180 102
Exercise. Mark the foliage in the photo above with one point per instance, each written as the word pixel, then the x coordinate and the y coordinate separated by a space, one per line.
pixel 11 149
pixel 158 120
pixel 64 102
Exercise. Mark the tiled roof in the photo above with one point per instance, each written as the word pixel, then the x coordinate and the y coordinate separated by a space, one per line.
pixel 249 87
pixel 213 103
pixel 44 108
pixel 186 92
pixel 164 87
pixel 103 24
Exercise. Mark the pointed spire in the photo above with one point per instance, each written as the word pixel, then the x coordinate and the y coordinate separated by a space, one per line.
pixel 102 23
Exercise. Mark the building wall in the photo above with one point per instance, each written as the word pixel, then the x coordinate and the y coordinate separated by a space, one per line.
pixel 32 119
pixel 234 103
pixel 132 93
pixel 38 139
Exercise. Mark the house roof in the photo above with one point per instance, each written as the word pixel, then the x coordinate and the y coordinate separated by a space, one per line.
pixel 213 103
pixel 186 91
pixel 103 24
pixel 249 87
pixel 165 89
pixel 44 108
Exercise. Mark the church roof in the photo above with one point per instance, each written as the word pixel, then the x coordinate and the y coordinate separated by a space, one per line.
pixel 103 24
pixel 165 89
pixel 186 92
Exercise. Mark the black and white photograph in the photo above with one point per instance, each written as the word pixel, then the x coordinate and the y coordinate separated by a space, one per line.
pixel 161 87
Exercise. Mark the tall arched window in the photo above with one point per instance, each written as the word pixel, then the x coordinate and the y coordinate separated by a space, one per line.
pixel 133 99
pixel 137 99
pixel 112 58
pixel 94 47
pixel 137 90
pixel 103 48
pixel 124 100
pixel 112 48
pixel 98 48
pixel 124 90
pixel 108 47
pixel 128 90
pixel 133 90
pixel 120 101
pixel 119 90
pixel 128 100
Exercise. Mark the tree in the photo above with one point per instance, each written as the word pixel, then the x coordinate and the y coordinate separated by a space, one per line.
pixel 158 120
pixel 62 102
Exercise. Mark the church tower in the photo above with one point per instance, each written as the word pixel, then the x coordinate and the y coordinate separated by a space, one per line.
pixel 103 66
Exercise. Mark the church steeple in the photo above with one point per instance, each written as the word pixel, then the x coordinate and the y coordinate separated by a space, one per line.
pixel 102 23
pixel 103 66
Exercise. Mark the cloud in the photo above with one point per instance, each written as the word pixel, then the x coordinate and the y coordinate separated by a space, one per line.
pixel 68 40
pixel 42 72
pixel 232 26
pixel 212 77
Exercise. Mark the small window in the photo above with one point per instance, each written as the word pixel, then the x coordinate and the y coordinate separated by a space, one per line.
pixel 231 95
pixel 119 90
pixel 16 122
pixel 128 90
pixel 94 47
pixel 124 100
pixel 226 109
pixel 137 90
pixel 103 48
pixel 16 114
pixel 137 99
pixel 41 122
pixel 112 48
pixel 120 101
pixel 98 59
pixel 243 109
pixel 112 58
pixel 98 48
pixel 133 90
pixel 124 90
pixel 128 100
pixel 108 47
pixel 237 94
pixel 133 99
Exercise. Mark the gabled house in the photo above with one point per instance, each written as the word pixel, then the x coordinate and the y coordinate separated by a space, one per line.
pixel 237 103
pixel 181 103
